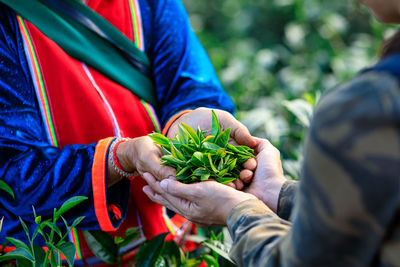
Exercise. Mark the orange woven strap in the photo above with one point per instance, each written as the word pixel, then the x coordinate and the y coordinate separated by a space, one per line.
pixel 173 119
pixel 99 170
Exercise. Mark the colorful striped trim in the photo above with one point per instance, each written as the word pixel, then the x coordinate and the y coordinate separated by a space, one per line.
pixel 75 239
pixel 153 116
pixel 99 169
pixel 173 119
pixel 38 82
pixel 137 24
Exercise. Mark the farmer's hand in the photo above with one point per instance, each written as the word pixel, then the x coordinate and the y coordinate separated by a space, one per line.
pixel 202 117
pixel 207 203
pixel 268 178
pixel 141 155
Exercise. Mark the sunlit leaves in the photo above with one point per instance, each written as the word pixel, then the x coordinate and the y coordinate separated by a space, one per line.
pixel 197 157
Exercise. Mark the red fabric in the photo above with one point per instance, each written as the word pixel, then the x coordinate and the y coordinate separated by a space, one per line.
pixel 81 115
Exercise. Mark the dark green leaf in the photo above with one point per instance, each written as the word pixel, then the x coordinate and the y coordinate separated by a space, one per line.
pixel 183 136
pixel 150 251
pixel 68 251
pixel 5 187
pixel 102 245
pixel 182 171
pixel 210 260
pixel 197 159
pixel 19 244
pixel 55 258
pixel 172 254
pixel 69 204
pixel 53 227
pixel 131 234
pixel 192 263
pixel 24 227
pixel 24 263
pixel 18 253
pixel 40 255
pixel 223 172
pixel 77 221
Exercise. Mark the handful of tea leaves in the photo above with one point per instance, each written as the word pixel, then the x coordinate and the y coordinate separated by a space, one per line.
pixel 197 157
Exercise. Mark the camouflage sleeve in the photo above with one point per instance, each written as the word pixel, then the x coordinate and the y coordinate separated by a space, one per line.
pixel 349 190
pixel 286 199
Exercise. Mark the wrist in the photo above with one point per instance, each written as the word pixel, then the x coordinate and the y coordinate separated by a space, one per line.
pixel 270 196
pixel 124 154
pixel 233 202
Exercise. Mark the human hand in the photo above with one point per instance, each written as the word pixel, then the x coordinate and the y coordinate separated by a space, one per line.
pixel 206 203
pixel 201 117
pixel 142 155
pixel 268 177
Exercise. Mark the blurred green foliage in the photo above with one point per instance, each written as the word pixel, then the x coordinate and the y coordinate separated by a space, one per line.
pixel 276 57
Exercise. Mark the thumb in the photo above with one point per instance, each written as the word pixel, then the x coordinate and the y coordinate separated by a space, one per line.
pixel 179 189
pixel 161 172
pixel 241 134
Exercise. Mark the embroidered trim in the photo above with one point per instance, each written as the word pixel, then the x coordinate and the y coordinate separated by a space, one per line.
pixel 137 24
pixel 38 81
pixel 99 184
pixel 173 119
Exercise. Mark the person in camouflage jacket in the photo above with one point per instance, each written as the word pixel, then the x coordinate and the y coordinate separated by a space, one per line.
pixel 346 209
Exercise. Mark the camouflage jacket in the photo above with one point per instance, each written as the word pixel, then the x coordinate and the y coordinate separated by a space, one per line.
pixel 347 208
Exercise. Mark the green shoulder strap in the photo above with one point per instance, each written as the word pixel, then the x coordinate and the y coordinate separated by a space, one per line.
pixel 86 36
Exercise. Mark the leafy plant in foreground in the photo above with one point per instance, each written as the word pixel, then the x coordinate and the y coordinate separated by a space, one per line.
pixel 197 157
pixel 33 255
pixel 107 248
pixel 160 253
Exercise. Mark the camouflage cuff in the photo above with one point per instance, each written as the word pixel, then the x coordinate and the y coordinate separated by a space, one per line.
pixel 246 208
pixel 286 199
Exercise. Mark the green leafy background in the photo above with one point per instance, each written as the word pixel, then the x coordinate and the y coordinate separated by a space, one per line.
pixel 276 57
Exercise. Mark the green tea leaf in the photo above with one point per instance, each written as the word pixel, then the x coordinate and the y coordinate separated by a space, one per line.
pixel 182 171
pixel 191 133
pixel 150 251
pixel 40 255
pixel 69 204
pixel 53 227
pixel 19 244
pixel 205 176
pixel 211 146
pixel 24 227
pixel 159 139
pixel 208 139
pixel 215 128
pixel 5 187
pixel 55 258
pixel 1 222
pixel 173 160
pixel 176 153
pixel 210 260
pixel 102 245
pixel 200 171
pixel 18 253
pixel 77 221
pixel 68 251
pixel 225 180
pixel 223 138
pixel 213 246
pixel 212 164
pixel 182 136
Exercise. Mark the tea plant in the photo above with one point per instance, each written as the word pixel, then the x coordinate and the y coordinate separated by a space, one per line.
pixel 197 157
pixel 107 248
pixel 33 255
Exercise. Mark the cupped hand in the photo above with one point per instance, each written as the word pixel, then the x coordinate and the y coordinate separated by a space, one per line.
pixel 142 155
pixel 240 135
pixel 268 177
pixel 206 203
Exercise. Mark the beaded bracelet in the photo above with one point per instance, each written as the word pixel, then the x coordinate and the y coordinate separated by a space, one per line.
pixel 113 159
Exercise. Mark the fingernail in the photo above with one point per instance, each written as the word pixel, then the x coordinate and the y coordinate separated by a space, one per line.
pixel 164 184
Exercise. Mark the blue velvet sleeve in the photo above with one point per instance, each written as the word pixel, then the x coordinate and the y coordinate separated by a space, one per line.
pixel 183 73
pixel 41 175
